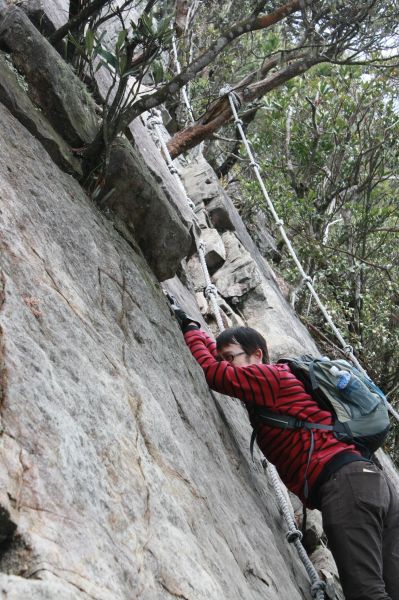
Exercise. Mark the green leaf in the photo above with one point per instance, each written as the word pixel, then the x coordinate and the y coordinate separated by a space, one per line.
pixel 100 39
pixel 103 63
pixel 121 39
pixel 164 26
pixel 147 24
pixel 133 71
pixel 89 40
pixel 108 57
pixel 157 71
pixel 122 63
pixel 75 42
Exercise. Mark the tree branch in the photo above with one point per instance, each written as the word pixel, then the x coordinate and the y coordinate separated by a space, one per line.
pixel 84 14
pixel 153 99
pixel 220 112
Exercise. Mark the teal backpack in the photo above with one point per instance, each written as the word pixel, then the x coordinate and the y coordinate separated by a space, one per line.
pixel 358 405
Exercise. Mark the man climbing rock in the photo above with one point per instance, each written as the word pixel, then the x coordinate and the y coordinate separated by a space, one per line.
pixel 359 505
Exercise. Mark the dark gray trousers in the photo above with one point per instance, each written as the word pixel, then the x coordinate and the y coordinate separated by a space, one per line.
pixel 360 509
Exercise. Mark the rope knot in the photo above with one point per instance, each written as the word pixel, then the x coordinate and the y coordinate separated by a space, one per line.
pixel 210 290
pixel 172 169
pixel 155 118
pixel 201 246
pixel 316 587
pixel 254 164
pixel 225 89
pixel 348 350
pixel 293 536
pixel 279 222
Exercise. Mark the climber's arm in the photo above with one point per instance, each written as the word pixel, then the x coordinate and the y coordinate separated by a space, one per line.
pixel 253 383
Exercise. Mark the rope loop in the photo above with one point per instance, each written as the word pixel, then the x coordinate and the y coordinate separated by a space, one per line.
pixel 254 164
pixel 225 89
pixel 348 350
pixel 279 222
pixel 155 118
pixel 239 122
pixel 236 99
pixel 210 290
pixel 316 587
pixel 293 536
pixel 190 202
pixel 201 246
pixel 308 278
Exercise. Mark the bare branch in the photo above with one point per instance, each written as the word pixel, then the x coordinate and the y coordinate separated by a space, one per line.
pixel 220 112
pixel 84 15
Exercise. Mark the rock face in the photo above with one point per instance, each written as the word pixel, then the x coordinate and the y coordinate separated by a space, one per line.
pixel 245 281
pixel 134 195
pixel 52 84
pixel 47 15
pixel 14 97
pixel 114 454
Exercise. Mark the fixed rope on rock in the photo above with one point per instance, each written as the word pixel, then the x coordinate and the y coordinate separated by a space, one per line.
pixel 184 92
pixel 293 535
pixel 154 121
pixel 348 350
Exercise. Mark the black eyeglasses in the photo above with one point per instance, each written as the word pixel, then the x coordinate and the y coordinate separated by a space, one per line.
pixel 229 357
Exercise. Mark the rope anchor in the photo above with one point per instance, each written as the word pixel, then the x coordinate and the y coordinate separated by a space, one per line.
pixel 210 290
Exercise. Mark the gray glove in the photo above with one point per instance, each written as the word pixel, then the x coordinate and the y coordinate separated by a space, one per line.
pixel 185 321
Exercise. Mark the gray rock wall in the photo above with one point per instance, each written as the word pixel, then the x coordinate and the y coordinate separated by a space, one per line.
pixel 123 476
pixel 244 279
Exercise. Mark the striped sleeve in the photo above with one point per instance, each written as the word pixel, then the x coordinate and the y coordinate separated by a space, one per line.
pixel 258 384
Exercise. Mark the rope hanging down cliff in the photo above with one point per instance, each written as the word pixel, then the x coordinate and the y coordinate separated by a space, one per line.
pixel 211 293
pixel 293 535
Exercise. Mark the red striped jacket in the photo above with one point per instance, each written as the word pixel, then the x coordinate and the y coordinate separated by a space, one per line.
pixel 275 387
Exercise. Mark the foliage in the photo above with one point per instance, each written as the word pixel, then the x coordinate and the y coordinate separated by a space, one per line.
pixel 147 35
pixel 266 44
pixel 135 54
pixel 328 147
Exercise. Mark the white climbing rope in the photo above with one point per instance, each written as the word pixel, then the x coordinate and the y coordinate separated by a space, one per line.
pixel 184 92
pixel 210 290
pixel 293 535
pixel 155 121
pixel 348 350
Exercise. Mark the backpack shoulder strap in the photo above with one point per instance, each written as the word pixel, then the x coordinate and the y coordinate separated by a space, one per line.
pixel 274 419
pixel 303 367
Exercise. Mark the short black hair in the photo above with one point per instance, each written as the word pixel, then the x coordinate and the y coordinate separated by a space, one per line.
pixel 249 339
